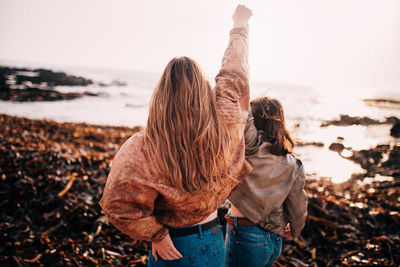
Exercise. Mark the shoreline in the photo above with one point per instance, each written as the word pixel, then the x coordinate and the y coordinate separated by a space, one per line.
pixel 21 85
pixel 53 174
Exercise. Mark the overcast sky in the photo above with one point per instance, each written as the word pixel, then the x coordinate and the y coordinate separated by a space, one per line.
pixel 305 42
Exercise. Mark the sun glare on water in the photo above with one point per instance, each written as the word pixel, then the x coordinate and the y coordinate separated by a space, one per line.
pixel 327 164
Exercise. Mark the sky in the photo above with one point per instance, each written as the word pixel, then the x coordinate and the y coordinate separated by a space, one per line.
pixel 308 42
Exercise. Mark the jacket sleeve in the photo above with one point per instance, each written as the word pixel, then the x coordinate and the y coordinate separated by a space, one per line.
pixel 296 204
pixel 232 81
pixel 129 208
pixel 250 135
pixel 128 200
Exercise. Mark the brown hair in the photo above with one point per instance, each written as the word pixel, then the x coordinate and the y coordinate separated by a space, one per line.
pixel 187 139
pixel 270 119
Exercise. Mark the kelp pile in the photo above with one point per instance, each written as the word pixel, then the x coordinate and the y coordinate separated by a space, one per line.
pixel 52 176
pixel 350 224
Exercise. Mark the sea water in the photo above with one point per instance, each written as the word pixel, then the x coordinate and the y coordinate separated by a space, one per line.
pixel 306 107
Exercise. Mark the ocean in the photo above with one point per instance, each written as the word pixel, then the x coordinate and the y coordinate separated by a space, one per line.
pixel 306 107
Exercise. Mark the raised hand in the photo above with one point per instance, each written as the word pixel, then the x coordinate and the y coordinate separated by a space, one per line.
pixel 241 16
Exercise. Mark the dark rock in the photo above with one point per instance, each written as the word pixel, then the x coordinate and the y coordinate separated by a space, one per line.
pixel 371 160
pixel 337 147
pixel 53 78
pixel 394 161
pixel 23 84
pixel 32 94
pixel 382 100
pixel 383 103
pixel 346 120
pixel 395 131
pixel 317 144
pixel 391 120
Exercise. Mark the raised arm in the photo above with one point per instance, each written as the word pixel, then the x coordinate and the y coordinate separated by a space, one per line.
pixel 251 136
pixel 232 81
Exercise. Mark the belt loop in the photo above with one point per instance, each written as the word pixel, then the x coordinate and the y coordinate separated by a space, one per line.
pixel 200 232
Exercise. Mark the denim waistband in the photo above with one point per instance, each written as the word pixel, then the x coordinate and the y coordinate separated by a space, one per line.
pixel 199 228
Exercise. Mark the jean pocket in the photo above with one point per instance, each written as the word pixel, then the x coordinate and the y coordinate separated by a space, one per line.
pixel 276 248
pixel 250 253
pixel 218 250
pixel 219 255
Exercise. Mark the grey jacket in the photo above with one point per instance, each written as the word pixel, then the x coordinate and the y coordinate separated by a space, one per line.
pixel 272 195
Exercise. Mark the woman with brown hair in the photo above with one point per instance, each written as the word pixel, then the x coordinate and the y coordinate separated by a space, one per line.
pixel 271 196
pixel 167 181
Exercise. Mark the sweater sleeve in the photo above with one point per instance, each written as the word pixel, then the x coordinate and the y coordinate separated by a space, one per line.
pixel 232 81
pixel 296 204
pixel 128 200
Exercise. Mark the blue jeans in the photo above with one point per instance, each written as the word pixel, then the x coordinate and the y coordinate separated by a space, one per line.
pixel 251 246
pixel 201 249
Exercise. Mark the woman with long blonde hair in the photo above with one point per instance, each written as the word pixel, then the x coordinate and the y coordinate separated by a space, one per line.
pixel 166 182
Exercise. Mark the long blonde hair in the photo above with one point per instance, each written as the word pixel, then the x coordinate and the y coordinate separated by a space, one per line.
pixel 188 141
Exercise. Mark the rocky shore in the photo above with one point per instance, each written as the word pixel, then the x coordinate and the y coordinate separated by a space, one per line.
pixel 52 176
pixel 346 120
pixel 382 103
pixel 27 85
